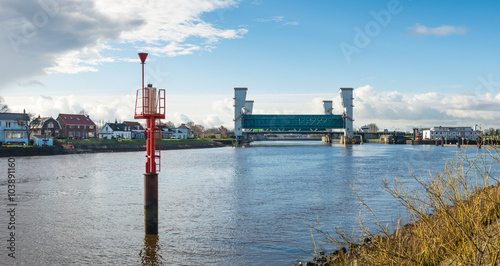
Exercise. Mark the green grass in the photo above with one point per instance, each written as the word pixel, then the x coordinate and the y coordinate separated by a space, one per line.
pixel 136 141
pixel 22 146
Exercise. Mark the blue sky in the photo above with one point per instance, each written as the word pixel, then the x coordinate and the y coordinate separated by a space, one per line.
pixel 411 63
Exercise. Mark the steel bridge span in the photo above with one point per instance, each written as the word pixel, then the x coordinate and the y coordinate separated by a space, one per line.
pixel 246 123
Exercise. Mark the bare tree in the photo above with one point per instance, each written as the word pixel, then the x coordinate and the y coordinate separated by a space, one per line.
pixel 223 131
pixel 83 112
pixel 497 132
pixel 29 122
pixel 170 124
pixel 198 130
pixel 4 108
pixel 489 132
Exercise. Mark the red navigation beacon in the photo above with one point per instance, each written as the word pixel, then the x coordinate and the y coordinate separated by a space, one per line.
pixel 150 105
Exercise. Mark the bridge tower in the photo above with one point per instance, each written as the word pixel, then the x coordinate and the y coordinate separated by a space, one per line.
pixel 248 107
pixel 346 97
pixel 240 95
pixel 328 106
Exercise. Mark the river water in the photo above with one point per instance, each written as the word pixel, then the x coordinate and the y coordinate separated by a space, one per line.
pixel 225 206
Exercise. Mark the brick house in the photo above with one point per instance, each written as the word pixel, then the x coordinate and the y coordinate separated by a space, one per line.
pixel 48 126
pixel 76 126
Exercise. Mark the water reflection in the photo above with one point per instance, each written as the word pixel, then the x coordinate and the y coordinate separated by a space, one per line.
pixel 150 254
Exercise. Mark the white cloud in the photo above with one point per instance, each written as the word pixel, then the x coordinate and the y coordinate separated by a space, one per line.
pixel 444 30
pixel 48 36
pixel 280 19
pixel 275 19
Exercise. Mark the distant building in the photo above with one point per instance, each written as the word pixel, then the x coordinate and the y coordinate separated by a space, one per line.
pixel 12 129
pixel 47 126
pixel 136 128
pixel 115 131
pixel 449 133
pixel 365 128
pixel 182 132
pixel 76 126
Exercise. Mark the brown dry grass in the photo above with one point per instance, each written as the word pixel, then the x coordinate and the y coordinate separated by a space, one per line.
pixel 453 220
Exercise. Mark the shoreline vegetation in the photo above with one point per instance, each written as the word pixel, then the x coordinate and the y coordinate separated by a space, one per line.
pixel 114 145
pixel 452 219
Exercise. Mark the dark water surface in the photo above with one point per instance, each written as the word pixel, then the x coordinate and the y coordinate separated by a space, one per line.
pixel 226 206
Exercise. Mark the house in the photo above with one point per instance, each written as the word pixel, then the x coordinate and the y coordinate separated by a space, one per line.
pixel 182 132
pixel 12 130
pixel 115 130
pixel 76 126
pixel 43 140
pixel 449 133
pixel 136 128
pixel 166 132
pixel 47 126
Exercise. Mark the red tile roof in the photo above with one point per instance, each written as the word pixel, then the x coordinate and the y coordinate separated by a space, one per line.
pixel 133 124
pixel 72 119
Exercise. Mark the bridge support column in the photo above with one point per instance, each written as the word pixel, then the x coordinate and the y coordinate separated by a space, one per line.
pixel 240 95
pixel 346 96
pixel 346 140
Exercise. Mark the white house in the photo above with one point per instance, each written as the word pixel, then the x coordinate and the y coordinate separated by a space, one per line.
pixel 115 131
pixel 449 133
pixel 181 132
pixel 11 128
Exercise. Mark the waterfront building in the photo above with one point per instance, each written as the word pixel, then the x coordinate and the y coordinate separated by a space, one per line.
pixel 76 126
pixel 449 133
pixel 182 132
pixel 13 129
pixel 136 129
pixel 115 130
pixel 47 126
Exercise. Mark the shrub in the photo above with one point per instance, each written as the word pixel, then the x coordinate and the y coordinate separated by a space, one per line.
pixel 453 220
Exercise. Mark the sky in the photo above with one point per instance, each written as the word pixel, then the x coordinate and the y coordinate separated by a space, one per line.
pixel 411 63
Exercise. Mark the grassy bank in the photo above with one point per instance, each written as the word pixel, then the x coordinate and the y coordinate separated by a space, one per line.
pixel 131 141
pixel 453 220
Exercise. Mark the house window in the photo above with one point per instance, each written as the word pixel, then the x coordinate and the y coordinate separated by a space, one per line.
pixel 91 127
pixel 91 134
pixel 77 134
pixel 71 126
pixel 71 134
pixel 78 126
pixel 51 125
pixel 15 134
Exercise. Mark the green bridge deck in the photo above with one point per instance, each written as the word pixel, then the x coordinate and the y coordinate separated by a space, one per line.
pixel 299 123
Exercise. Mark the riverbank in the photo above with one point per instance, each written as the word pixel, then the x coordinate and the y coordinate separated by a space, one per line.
pixel 454 220
pixel 95 146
